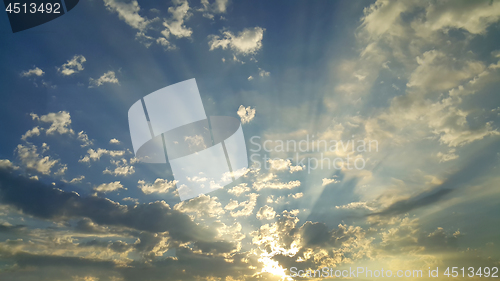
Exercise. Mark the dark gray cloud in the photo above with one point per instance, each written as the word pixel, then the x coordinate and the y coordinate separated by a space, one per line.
pixel 186 266
pixel 43 201
pixel 483 159
pixel 12 228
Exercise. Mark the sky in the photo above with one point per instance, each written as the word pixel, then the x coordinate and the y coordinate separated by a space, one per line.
pixel 371 129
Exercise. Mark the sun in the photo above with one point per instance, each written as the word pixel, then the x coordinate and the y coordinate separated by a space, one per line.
pixel 273 267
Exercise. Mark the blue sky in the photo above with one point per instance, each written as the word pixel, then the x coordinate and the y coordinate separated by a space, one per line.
pixel 418 79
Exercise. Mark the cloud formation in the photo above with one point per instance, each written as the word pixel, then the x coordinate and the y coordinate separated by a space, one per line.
pixel 33 72
pixel 246 113
pixel 246 42
pixel 72 66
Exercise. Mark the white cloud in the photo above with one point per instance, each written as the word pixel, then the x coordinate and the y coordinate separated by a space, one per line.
pixel 144 39
pixel 327 181
pixel 175 25
pixel 59 122
pixel 239 189
pixel 108 77
pixel 263 73
pixel 202 206
pixel 233 204
pixel 356 205
pixel 6 164
pixel 165 43
pixel 159 186
pixel 84 138
pixel 445 157
pixel 33 132
pixel 250 78
pixel 437 71
pixel 74 65
pixel 217 7
pixel 283 165
pixel 35 71
pixel 272 184
pixel 247 42
pixel 108 187
pixel 77 179
pixel 195 142
pixel 135 200
pixel 114 141
pixel 31 159
pixel 246 114
pixel 247 206
pixel 294 169
pixel 62 170
pixel 128 11
pixel 473 16
pixel 297 195
pixel 266 213
pixel 122 168
pixel 96 155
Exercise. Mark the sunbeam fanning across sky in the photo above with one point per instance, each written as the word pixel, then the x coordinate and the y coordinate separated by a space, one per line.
pixel 221 140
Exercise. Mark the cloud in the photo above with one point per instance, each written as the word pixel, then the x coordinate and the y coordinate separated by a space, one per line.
pixel 114 141
pixel 108 77
pixel 445 157
pixel 250 78
pixel 266 213
pixel 108 187
pixel 297 195
pixel 421 200
pixel 6 164
pixel 33 72
pixel 84 138
pixel 33 132
pixel 96 155
pixel 437 75
pixel 247 42
pixel 32 160
pixel 73 66
pixel 442 16
pixel 247 206
pixel 246 114
pixel 271 183
pixel 144 39
pixel 159 186
pixel 122 168
pixel 217 7
pixel 165 43
pixel 263 73
pixel 51 203
pixel 134 200
pixel 196 142
pixel 355 205
pixel 283 165
pixel 476 166
pixel 128 11
pixel 239 189
pixel 59 122
pixel 77 179
pixel 202 206
pixel 436 71
pixel 327 181
pixel 175 25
